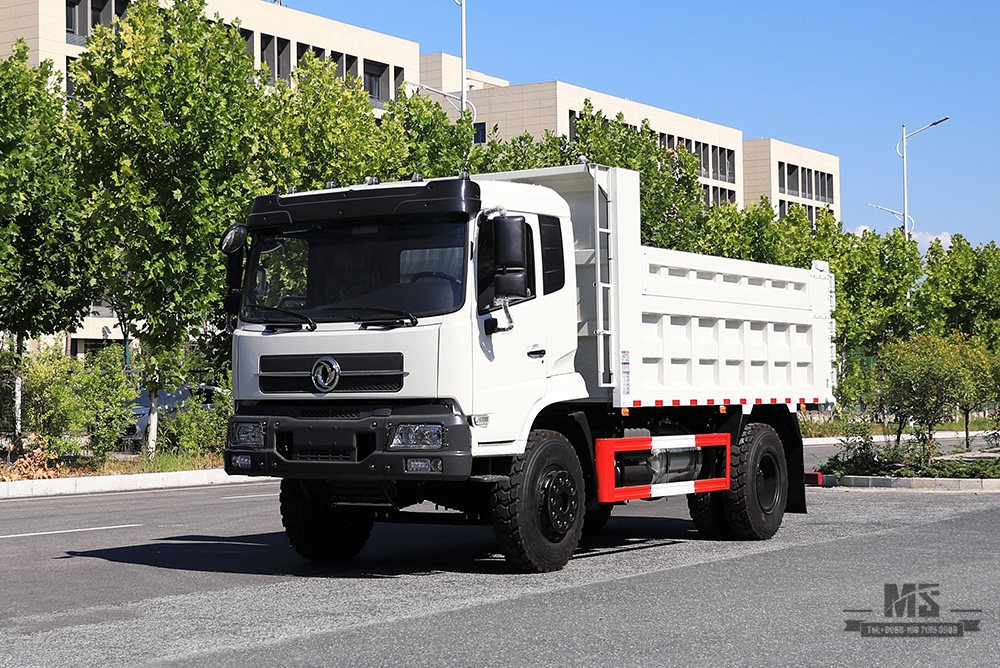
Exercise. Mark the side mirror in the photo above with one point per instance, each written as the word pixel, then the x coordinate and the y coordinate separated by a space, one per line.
pixel 232 243
pixel 233 238
pixel 511 254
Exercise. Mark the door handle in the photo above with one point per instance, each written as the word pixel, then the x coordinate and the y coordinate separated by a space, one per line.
pixel 536 353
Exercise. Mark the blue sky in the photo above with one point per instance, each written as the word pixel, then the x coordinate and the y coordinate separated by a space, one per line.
pixel 840 77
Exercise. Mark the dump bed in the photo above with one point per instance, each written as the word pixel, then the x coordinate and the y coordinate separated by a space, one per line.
pixel 659 327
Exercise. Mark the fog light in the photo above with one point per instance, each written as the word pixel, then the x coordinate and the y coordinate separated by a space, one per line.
pixel 241 462
pixel 421 436
pixel 424 465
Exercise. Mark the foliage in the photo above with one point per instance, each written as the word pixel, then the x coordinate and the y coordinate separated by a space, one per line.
pixel 672 199
pixel 46 255
pixel 320 129
pixel 194 430
pixel 919 380
pixel 862 454
pixel 51 405
pixel 104 392
pixel 172 115
pixel 429 144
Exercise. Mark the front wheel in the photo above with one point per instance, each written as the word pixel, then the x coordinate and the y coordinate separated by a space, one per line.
pixel 538 511
pixel 755 502
pixel 318 529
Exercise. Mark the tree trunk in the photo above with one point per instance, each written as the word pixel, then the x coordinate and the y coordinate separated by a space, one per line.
pixel 18 385
pixel 154 400
pixel 968 442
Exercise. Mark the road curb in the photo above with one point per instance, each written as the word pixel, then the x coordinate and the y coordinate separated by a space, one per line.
pixel 922 484
pixel 118 483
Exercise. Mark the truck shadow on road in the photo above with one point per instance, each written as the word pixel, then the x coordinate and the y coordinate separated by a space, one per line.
pixel 394 550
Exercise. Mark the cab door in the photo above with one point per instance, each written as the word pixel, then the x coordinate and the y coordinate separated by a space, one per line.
pixel 510 365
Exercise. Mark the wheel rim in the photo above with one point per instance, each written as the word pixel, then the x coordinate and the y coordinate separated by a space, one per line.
pixel 559 503
pixel 767 482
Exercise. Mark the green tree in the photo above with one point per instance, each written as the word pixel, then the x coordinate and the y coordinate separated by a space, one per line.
pixel 920 380
pixel 46 256
pixel 672 199
pixel 322 129
pixel 433 146
pixel 104 393
pixel 975 385
pixel 172 116
pixel 751 233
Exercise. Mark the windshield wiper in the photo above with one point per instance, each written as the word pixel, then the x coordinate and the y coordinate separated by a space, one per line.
pixel 310 323
pixel 376 316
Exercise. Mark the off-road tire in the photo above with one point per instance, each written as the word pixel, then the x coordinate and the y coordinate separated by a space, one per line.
pixel 319 530
pixel 755 502
pixel 538 511
pixel 708 510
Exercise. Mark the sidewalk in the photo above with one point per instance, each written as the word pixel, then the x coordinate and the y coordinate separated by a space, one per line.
pixel 119 483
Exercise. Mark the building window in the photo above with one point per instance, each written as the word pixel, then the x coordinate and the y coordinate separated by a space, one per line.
pixel 704 164
pixel 71 10
pixel 398 80
pixel 284 59
pixel 792 182
pixel 373 80
pixel 480 136
pixel 781 178
pixel 97 13
pixel 572 125
pixel 268 55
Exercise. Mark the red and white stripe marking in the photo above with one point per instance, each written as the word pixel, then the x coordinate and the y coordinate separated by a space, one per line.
pixel 608 492
pixel 636 403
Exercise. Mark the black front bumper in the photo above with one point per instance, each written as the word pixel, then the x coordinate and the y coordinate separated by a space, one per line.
pixel 338 442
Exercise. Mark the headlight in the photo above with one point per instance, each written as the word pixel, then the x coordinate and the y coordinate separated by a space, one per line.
pixel 247 435
pixel 419 436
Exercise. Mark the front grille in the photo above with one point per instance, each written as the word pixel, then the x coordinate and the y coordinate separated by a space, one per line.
pixel 359 372
pixel 322 455
pixel 329 413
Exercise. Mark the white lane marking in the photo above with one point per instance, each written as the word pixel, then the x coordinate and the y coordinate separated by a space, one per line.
pixel 50 533
pixel 247 496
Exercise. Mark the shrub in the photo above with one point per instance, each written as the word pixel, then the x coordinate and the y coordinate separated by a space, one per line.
pixel 105 392
pixel 194 430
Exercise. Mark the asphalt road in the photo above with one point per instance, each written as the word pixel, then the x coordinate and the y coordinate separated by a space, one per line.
pixel 203 576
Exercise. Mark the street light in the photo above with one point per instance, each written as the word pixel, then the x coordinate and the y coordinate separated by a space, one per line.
pixel 901 152
pixel 461 3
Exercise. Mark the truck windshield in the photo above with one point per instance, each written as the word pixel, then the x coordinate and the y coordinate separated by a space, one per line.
pixel 384 272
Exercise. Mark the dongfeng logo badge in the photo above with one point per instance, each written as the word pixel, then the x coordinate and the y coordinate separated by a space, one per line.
pixel 325 374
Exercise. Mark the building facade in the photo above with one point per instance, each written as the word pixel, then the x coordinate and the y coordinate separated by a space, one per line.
pixel 730 169
pixel 788 174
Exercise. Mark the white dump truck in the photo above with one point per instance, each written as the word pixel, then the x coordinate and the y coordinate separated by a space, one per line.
pixel 502 346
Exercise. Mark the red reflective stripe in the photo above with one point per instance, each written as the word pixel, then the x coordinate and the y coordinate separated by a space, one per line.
pixel 637 403
pixel 659 402
pixel 694 402
pixel 676 402
pixel 725 402
pixel 711 402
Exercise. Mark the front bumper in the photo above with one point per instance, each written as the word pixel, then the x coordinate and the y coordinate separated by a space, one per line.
pixel 337 442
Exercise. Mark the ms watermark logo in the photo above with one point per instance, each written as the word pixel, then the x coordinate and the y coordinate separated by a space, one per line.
pixel 921 605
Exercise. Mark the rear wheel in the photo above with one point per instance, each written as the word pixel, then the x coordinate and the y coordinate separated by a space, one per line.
pixel 708 510
pixel 755 502
pixel 318 529
pixel 538 511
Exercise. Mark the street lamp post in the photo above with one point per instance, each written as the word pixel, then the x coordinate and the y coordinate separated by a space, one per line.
pixel 464 93
pixel 901 152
